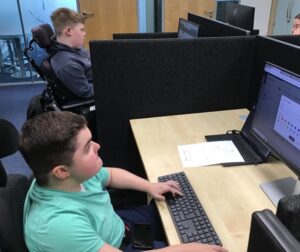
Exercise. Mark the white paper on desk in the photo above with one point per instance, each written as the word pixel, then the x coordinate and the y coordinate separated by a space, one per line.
pixel 209 153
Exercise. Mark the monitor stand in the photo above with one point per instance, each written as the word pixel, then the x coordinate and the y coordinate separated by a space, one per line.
pixel 280 188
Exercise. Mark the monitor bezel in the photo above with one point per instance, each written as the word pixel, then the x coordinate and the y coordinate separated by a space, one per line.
pixel 230 18
pixel 283 158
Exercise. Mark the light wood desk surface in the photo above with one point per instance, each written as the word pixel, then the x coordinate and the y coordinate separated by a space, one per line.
pixel 229 195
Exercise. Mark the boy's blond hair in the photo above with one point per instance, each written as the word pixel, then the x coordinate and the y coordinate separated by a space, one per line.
pixel 63 17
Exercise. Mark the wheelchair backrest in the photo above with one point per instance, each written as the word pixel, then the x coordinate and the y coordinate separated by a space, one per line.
pixel 55 87
pixel 43 35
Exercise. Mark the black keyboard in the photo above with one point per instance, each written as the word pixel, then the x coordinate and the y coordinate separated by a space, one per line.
pixel 190 219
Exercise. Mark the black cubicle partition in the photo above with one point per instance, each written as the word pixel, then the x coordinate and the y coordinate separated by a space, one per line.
pixel 276 51
pixel 209 28
pixel 157 77
pixel 215 28
pixel 147 35
pixel 292 39
pixel 145 78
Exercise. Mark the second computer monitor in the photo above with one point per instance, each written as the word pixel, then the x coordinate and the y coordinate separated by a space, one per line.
pixel 188 29
pixel 236 14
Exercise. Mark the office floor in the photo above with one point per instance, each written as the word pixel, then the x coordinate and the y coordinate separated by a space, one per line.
pixel 13 106
pixel 7 78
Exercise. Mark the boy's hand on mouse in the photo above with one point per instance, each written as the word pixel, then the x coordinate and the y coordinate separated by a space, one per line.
pixel 158 189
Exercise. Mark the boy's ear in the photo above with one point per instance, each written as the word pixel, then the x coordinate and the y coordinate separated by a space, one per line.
pixel 67 31
pixel 61 172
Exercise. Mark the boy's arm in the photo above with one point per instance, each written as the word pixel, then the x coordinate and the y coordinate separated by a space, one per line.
pixel 123 179
pixel 73 77
pixel 189 247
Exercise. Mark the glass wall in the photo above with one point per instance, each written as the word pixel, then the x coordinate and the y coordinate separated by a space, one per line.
pixel 17 17
pixel 146 15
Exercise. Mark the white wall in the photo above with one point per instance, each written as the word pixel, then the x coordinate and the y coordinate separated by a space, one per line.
pixel 285 13
pixel 262 14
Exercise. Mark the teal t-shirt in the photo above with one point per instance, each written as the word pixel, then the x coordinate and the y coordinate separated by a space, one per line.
pixel 71 221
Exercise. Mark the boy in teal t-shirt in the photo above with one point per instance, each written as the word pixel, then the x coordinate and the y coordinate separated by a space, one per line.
pixel 67 207
pixel 51 215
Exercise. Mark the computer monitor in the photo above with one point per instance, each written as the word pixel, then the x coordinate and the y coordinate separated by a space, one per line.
pixel 276 124
pixel 236 14
pixel 215 28
pixel 188 29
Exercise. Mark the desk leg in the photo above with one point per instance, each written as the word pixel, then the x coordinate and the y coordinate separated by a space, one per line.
pixel 22 73
pixel 10 53
pixel 11 66
pixel 1 60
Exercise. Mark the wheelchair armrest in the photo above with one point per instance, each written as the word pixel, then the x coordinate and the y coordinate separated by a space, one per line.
pixel 74 104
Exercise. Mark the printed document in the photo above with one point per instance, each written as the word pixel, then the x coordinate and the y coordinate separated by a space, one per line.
pixel 209 153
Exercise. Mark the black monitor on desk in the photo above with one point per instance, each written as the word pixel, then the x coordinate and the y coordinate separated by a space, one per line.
pixel 188 29
pixel 276 124
pixel 236 14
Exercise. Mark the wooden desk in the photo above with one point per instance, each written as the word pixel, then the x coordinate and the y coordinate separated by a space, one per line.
pixel 229 195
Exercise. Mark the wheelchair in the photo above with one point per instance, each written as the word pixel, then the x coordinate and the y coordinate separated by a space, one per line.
pixel 55 97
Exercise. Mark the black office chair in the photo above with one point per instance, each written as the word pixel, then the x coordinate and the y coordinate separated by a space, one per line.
pixel 56 96
pixel 13 189
pixel 288 212
pixel 267 233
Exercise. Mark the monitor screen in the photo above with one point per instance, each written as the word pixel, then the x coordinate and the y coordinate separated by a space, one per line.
pixel 236 14
pixel 188 29
pixel 276 122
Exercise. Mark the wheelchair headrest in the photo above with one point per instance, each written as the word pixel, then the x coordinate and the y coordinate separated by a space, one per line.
pixel 42 35
pixel 9 138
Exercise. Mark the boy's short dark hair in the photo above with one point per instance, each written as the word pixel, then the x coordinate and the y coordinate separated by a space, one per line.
pixel 48 140
pixel 63 17
pixel 297 16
